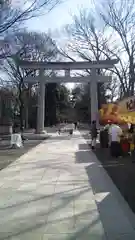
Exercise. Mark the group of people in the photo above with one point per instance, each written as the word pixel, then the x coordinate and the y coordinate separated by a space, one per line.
pixel 114 135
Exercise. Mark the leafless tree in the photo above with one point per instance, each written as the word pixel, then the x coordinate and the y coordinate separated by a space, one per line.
pixel 88 42
pixel 112 38
pixel 119 18
pixel 113 89
pixel 11 14
pixel 34 46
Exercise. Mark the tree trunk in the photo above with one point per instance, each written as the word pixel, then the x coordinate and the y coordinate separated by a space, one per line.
pixel 21 107
pixel 131 76
pixel 27 118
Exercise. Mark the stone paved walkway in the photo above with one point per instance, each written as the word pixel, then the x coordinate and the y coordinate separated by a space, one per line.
pixel 60 191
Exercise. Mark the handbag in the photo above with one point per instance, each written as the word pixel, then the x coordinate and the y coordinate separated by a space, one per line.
pixel 132 147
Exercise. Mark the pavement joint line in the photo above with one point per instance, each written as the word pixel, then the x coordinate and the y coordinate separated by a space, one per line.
pixel 43 175
pixel 52 198
pixel 74 207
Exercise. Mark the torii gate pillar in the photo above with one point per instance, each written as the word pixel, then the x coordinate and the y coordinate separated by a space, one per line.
pixel 94 97
pixel 41 105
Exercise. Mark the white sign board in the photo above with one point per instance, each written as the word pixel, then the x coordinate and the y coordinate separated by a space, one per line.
pixel 16 140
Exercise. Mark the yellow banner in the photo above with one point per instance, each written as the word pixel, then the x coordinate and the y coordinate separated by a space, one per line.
pixel 124 111
pixel 109 112
pixel 127 105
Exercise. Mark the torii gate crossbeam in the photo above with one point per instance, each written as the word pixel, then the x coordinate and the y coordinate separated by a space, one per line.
pixel 66 79
pixel 103 64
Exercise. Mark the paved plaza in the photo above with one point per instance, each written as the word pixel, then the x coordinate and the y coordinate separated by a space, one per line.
pixel 59 190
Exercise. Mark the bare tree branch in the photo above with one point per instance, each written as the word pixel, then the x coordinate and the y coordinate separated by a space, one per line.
pixel 120 17
pixel 92 43
pixel 10 15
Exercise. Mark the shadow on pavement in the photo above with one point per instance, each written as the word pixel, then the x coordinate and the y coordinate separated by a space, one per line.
pixel 28 221
pixel 65 195
pixel 84 146
pixel 104 192
pixel 121 171
pixel 80 157
pixel 83 232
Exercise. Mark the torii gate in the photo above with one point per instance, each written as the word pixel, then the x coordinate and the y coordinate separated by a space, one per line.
pixel 67 67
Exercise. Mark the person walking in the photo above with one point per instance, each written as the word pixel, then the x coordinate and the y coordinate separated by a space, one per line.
pixel 75 125
pixel 131 130
pixel 59 127
pixel 93 134
pixel 115 132
pixel 71 129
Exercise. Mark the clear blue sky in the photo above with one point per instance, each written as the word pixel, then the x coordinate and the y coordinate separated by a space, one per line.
pixel 59 16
